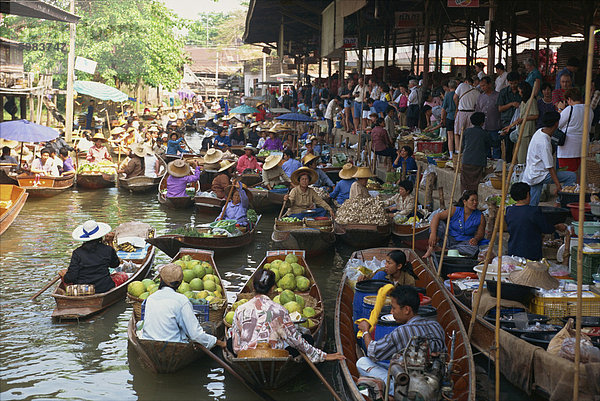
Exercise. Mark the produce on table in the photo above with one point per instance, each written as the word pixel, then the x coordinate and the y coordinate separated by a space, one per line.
pixel 251 216
pixel 104 166
pixel 280 186
pixel 264 153
pixel 362 211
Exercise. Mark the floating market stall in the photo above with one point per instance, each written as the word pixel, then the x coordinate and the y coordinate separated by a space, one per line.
pixel 45 186
pixel 314 236
pixel 97 175
pixel 362 222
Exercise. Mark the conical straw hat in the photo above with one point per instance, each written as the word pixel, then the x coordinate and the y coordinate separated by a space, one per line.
pixel 535 274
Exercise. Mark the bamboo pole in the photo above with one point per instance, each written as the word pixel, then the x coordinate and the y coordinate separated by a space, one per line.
pixel 488 254
pixel 414 224
pixel 498 283
pixel 582 186
pixel 456 170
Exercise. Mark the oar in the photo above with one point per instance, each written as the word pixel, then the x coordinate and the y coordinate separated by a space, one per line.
pixel 229 369
pixel 40 292
pixel 281 211
pixel 414 225
pixel 320 376
pixel 227 201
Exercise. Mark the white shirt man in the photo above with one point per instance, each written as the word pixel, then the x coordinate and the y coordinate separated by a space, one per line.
pixel 330 109
pixel 465 98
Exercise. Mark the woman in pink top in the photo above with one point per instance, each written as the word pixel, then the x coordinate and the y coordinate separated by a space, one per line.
pixel 248 161
pixel 98 152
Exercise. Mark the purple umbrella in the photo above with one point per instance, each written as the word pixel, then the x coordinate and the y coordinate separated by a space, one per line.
pixel 26 131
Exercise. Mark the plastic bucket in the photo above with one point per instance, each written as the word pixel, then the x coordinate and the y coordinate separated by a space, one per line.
pixel 385 325
pixel 363 289
pixel 369 304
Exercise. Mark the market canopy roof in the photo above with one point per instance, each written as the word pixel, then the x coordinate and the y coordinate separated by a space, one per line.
pixel 99 91
pixel 36 9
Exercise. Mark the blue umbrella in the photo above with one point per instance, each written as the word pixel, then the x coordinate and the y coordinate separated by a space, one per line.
pixel 26 131
pixel 243 109
pixel 295 117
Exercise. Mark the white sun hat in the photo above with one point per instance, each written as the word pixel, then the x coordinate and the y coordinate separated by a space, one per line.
pixel 90 230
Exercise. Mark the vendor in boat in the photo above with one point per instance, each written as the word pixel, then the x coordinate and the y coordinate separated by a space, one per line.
pixel 6 158
pixel 405 306
pixel 180 176
pixel 289 163
pixel 260 320
pixel 323 181
pixel 467 226
pixel 98 152
pixel 67 163
pixel 397 271
pixel 237 137
pixel 253 134
pixel 222 141
pixel 341 192
pixel 151 163
pixel 303 198
pixel 359 187
pixel 223 179
pixel 273 173
pixel 91 261
pixel 135 167
pixel 45 165
pixel 174 145
pixel 237 207
pixel 526 224
pixel 403 203
pixel 273 142
pixel 169 316
pixel 309 148
pixel 248 161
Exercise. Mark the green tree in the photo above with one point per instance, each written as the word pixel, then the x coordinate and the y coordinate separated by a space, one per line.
pixel 211 23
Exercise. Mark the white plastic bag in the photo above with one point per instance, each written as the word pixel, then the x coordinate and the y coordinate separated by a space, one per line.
pixel 429 170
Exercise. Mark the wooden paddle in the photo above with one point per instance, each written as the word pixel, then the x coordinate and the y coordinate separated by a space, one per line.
pixel 229 369
pixel 281 211
pixel 228 199
pixel 320 376
pixel 40 292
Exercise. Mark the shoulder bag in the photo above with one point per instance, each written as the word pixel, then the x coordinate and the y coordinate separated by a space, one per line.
pixel 558 137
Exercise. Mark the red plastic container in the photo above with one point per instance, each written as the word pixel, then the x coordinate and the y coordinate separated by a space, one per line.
pixel 575 209
pixel 429 146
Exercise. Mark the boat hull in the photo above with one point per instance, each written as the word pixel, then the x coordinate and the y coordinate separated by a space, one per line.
pixel 46 187
pixel 207 205
pixel 18 197
pixel 182 202
pixel 142 183
pixel 96 181
pixel 311 240
pixel 363 235
pixel 6 178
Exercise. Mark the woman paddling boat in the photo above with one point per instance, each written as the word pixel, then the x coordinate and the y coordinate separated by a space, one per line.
pixel 302 197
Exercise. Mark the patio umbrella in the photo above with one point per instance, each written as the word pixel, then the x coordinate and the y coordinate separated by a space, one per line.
pixel 26 131
pixel 295 117
pixel 99 91
pixel 243 109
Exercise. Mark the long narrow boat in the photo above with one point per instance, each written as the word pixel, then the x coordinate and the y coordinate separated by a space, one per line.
pixel 363 235
pixel 208 205
pixel 81 307
pixel 260 200
pixel 314 241
pixel 182 202
pixel 143 183
pixel 276 198
pixel 6 176
pixel 169 357
pixel 172 243
pixel 273 372
pixel 251 179
pixel 96 180
pixel 12 200
pixel 526 366
pixel 45 186
pixel 463 377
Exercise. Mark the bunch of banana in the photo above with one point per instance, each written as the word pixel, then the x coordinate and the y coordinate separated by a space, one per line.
pixel 126 247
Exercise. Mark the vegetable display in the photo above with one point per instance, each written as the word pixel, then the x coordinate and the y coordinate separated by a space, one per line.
pixel 251 216
pixel 362 211
pixel 103 167
pixel 290 219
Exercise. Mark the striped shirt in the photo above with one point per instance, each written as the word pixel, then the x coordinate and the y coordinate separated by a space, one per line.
pixel 397 340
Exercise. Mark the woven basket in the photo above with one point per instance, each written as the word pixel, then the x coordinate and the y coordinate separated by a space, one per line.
pixel 593 171
pixel 137 306
pixel 321 224
pixel 287 225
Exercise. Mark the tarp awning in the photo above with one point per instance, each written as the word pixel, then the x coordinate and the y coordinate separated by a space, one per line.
pixel 99 91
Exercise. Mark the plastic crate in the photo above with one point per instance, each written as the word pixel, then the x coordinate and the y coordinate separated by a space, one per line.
pixel 591 265
pixel 430 146
pixel 560 307
pixel 201 312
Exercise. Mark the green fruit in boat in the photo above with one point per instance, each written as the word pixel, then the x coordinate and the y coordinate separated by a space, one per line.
pixel 136 288
pixel 291 258
pixel 277 299
pixel 292 307
pixel 209 285
pixel 180 262
pixel 308 312
pixel 277 274
pixel 188 275
pixel 209 269
pixel 183 288
pixel 300 300
pixel 208 276
pixel 152 289
pixel 302 283
pixel 209 298
pixel 229 317
pixel 288 282
pixel 196 284
pixel 267 266
pixel 309 324
pixel 144 295
pixel 287 296
pixel 297 269
pixel 189 294
pixel 285 268
pixel 201 294
pixel 199 271
pixel 147 283
pixel 276 263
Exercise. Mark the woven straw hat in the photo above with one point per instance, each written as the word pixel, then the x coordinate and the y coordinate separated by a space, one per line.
pixel 308 158
pixel 295 178
pixel 99 136
pixel 347 171
pixel 117 131
pixel 249 147
pixel 535 274
pixel 213 156
pixel 239 126
pixel 172 116
pixel 225 165
pixel 153 128
pixel 363 172
pixel 271 162
pixel 138 149
pixel 178 168
pixel 254 124
pixel 171 273
pixel 8 142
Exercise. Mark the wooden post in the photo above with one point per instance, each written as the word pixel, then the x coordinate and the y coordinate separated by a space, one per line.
pixel 70 74
pixel 306 78
pixel 412 56
pixel 582 184
pixel 360 61
pixel 468 60
pixel 23 106
pixel 386 53
pixel 513 43
pixel 394 49
pixel 499 281
pixel 372 60
pixel 342 69
pixel 414 225
pixel 1 108
pixel 329 75
pixel 491 38
pixel 441 196
pixel 426 41
pixel 501 33
pixel 320 73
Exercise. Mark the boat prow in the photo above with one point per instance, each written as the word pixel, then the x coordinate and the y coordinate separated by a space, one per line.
pixel 12 200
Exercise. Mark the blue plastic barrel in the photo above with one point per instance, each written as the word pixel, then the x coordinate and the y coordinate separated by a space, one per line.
pixel 386 323
pixel 369 304
pixel 364 288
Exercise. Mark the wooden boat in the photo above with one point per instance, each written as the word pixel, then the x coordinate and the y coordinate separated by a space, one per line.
pixel 169 357
pixel 447 315
pixel 237 150
pixel 276 198
pixel 406 230
pixel 273 372
pixel 96 180
pixel 7 176
pixel 363 235
pixel 544 371
pixel 251 179
pixel 45 186
pixel 260 200
pixel 314 241
pixel 12 200
pixel 208 205
pixel 181 202
pixel 143 183
pixel 81 307
pixel 172 243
